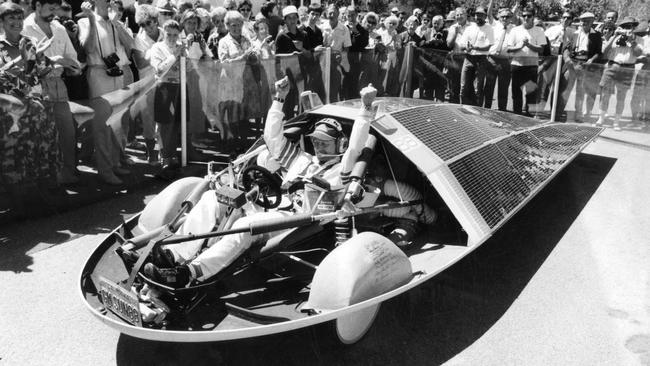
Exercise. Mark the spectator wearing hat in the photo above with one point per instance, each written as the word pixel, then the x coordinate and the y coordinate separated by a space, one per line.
pixel 622 50
pixel 457 56
pixel 336 36
pixel 289 41
pixel 166 11
pixel 359 37
pixel 293 39
pixel 581 53
pixel 640 103
pixel 41 25
pixel 476 41
pixel 526 43
pixel 500 60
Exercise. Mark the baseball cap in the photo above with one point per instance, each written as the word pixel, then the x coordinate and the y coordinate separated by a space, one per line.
pixel 586 15
pixel 289 10
pixel 480 10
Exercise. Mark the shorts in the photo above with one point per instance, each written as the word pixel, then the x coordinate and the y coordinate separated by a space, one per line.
pixel 616 75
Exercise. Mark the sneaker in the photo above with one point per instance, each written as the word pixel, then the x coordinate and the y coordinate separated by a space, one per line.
pixel 176 277
pixel 617 127
pixel 599 122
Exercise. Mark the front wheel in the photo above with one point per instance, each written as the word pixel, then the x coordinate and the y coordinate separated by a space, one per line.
pixel 352 327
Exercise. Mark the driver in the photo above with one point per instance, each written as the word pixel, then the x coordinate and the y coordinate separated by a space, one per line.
pixel 177 264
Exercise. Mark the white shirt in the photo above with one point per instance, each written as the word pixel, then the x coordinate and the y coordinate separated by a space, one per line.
pixel 557 35
pixel 460 29
pixel 143 43
pixel 229 48
pixel 61 44
pixel 164 62
pixel 477 36
pixel 109 42
pixel 337 38
pixel 582 40
pixel 501 35
pixel 526 56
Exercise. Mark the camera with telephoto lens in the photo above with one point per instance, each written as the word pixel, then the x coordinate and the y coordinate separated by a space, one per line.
pixel 112 69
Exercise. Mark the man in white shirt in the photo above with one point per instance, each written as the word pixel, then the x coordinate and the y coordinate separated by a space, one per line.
pixel 525 44
pixel 41 25
pixel 500 60
pixel 456 57
pixel 336 36
pixel 476 42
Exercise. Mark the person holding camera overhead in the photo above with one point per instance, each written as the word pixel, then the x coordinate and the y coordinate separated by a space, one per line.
pixel 622 50
pixel 107 43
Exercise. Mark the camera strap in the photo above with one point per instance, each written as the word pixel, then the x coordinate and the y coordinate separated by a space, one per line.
pixel 99 41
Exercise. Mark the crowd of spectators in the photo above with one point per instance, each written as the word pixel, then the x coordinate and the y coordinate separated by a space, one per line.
pixel 82 54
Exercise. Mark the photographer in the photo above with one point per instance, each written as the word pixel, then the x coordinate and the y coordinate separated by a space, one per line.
pixel 107 43
pixel 622 50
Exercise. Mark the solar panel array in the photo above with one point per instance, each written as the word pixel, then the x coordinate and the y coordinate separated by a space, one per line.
pixel 449 130
pixel 498 176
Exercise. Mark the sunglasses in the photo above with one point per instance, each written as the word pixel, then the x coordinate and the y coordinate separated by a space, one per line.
pixel 565 17
pixel 425 20
pixel 245 9
pixel 147 23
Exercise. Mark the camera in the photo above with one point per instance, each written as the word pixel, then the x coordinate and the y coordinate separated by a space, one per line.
pixel 70 25
pixel 112 69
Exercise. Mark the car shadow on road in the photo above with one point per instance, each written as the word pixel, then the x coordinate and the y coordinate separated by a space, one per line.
pixel 20 240
pixel 430 324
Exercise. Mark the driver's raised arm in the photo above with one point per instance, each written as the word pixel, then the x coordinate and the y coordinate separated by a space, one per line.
pixel 279 146
pixel 360 132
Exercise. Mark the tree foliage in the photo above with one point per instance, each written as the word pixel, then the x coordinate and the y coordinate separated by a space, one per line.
pixel 546 9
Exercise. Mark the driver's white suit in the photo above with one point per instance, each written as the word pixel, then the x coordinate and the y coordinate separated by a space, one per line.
pixel 206 215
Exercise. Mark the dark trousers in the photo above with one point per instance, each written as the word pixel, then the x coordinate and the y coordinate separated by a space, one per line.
pixel 501 72
pixel 452 72
pixel 520 76
pixel 474 75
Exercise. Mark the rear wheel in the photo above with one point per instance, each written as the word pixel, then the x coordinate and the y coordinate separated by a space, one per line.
pixel 352 327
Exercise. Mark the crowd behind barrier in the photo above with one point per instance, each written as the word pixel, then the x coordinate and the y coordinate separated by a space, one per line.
pixel 559 73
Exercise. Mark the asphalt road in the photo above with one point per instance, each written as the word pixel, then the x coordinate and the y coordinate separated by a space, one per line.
pixel 567 281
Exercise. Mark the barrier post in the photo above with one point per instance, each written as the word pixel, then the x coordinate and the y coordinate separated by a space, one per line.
pixel 328 65
pixel 408 59
pixel 556 86
pixel 183 111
